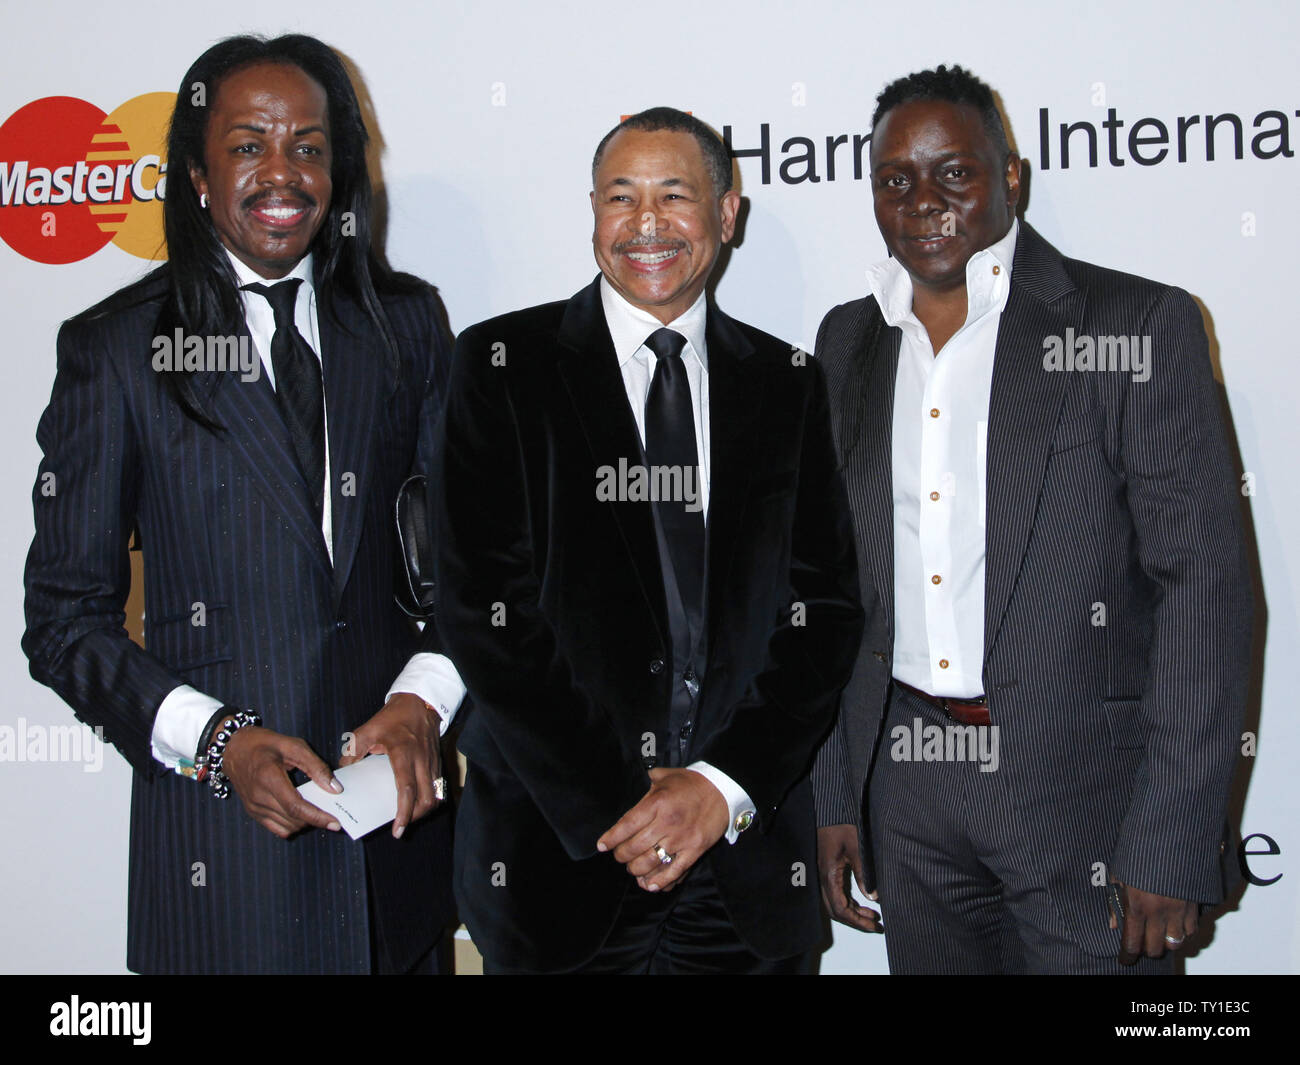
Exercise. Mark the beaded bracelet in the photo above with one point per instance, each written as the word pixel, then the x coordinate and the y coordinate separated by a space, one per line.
pixel 212 758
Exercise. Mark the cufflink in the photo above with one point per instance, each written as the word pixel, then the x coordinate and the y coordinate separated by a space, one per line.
pixel 743 820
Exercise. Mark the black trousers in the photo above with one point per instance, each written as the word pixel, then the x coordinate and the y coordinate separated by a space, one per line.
pixel 957 893
pixel 438 960
pixel 680 932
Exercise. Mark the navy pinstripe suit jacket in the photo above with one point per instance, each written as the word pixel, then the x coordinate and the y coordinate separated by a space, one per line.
pixel 1120 739
pixel 224 520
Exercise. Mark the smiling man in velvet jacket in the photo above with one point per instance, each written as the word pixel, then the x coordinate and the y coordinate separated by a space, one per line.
pixel 648 583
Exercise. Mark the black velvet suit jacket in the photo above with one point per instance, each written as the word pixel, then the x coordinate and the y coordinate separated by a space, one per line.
pixel 224 520
pixel 553 606
pixel 1119 731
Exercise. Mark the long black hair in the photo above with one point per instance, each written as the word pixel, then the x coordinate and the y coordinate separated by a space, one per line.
pixel 204 296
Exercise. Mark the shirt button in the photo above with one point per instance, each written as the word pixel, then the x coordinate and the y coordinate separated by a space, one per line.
pixel 656 666
pixel 934 412
pixel 997 270
pixel 943 663
pixel 936 579
pixel 934 495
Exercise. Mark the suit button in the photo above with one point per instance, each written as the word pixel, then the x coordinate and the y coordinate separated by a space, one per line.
pixel 656 666
pixel 340 625
pixel 687 729
pixel 649 763
pixel 881 655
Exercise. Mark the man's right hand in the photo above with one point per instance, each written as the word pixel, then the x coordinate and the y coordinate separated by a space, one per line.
pixel 257 762
pixel 837 853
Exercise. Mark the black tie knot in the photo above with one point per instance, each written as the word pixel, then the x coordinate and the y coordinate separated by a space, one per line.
pixel 666 343
pixel 282 297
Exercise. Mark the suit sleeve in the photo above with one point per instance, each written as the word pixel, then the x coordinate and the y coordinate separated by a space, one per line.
pixel 433 356
pixel 832 791
pixel 1184 503
pixel 830 776
pixel 78 571
pixel 773 734
pixel 558 743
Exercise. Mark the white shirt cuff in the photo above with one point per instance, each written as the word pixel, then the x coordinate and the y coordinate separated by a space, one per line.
pixel 738 800
pixel 434 679
pixel 178 725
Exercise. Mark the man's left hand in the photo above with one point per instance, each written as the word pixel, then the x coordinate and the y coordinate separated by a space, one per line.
pixel 683 813
pixel 1152 923
pixel 408 732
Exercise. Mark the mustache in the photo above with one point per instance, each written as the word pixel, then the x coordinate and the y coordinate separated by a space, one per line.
pixel 299 197
pixel 643 241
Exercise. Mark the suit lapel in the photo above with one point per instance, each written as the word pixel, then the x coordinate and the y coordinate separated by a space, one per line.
pixel 735 396
pixel 354 364
pixel 874 470
pixel 1024 406
pixel 258 438
pixel 589 367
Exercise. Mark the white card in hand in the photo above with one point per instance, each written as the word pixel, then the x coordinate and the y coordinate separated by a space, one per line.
pixel 369 797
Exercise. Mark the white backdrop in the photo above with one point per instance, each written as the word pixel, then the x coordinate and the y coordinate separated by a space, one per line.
pixel 489 114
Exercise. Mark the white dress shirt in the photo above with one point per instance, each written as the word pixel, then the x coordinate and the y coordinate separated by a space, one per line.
pixel 182 715
pixel 940 430
pixel 629 328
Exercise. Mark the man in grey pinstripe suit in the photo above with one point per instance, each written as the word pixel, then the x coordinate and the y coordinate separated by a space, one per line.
pixel 1032 760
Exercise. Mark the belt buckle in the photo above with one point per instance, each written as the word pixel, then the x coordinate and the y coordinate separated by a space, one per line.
pixel 948 704
pixel 970 706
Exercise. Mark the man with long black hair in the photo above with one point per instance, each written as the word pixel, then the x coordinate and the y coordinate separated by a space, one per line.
pixel 260 491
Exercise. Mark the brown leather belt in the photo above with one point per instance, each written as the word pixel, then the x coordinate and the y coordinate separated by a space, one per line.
pixel 963 711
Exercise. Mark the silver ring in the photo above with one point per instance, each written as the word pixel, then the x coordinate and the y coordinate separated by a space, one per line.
pixel 664 857
pixel 440 788
pixel 1174 941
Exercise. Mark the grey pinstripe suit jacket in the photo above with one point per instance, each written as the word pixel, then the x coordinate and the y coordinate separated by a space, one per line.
pixel 225 520
pixel 1120 739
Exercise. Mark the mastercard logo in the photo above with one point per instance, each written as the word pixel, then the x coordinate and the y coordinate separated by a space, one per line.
pixel 73 178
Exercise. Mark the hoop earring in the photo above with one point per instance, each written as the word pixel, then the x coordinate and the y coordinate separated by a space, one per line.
pixel 203 200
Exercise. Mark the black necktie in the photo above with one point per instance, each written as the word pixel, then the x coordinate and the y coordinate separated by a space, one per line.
pixel 298 387
pixel 670 441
